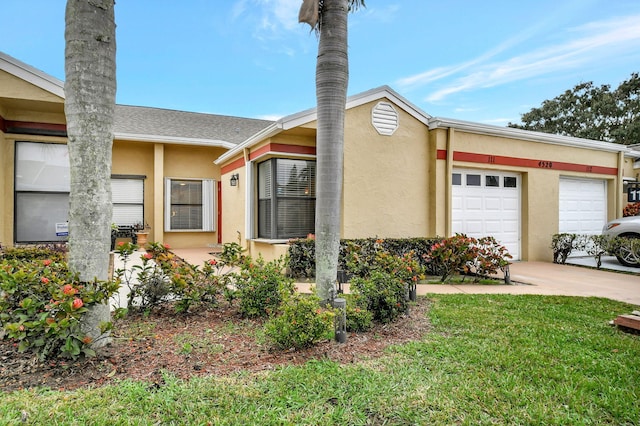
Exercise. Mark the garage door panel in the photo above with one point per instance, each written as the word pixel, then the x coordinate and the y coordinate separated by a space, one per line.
pixel 473 203
pixel 510 226
pixel 473 227
pixel 493 203
pixel 456 203
pixel 493 227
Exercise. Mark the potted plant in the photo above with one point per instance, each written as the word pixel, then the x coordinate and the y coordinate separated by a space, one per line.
pixel 142 233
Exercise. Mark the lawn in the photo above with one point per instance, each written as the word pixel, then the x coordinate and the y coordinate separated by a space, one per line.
pixel 490 359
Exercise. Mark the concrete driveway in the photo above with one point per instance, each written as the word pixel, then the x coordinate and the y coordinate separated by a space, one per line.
pixel 548 278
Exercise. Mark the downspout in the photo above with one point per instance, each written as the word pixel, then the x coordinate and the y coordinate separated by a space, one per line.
pixel 619 185
pixel 248 200
pixel 447 181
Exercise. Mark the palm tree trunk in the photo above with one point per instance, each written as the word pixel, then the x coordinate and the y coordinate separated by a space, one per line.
pixel 90 89
pixel 332 76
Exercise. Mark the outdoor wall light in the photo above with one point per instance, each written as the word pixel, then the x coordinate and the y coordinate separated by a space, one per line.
pixel 234 179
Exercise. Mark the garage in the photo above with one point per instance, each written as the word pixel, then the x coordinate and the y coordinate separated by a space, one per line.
pixel 487 203
pixel 583 205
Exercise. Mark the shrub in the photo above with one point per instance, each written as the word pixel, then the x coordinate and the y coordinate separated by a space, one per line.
pixel 42 303
pixel 596 246
pixel 260 286
pixel 386 295
pixel 232 254
pixel 302 252
pixel 53 252
pixel 302 258
pixel 631 209
pixel 301 323
pixel 359 318
pixel 562 246
pixel 453 255
pixel 490 257
pixel 163 276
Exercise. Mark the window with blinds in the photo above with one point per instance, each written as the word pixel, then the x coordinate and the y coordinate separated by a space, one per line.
pixel 286 198
pixel 127 195
pixel 189 205
pixel 41 191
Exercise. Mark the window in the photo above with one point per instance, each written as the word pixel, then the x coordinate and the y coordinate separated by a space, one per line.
pixel 41 191
pixel 286 198
pixel 456 179
pixel 189 205
pixel 492 181
pixel 473 180
pixel 510 182
pixel 127 194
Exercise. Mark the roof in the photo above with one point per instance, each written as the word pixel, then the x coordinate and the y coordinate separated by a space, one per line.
pixel 309 115
pixel 31 75
pixel 510 132
pixel 165 125
pixel 136 123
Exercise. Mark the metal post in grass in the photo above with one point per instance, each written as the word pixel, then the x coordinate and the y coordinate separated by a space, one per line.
pixel 340 305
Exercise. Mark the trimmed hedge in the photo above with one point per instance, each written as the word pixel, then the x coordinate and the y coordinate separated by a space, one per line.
pixel 302 252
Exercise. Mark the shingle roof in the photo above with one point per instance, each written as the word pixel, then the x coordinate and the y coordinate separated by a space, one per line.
pixel 164 124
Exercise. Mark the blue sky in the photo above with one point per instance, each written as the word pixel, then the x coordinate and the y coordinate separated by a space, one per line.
pixel 484 61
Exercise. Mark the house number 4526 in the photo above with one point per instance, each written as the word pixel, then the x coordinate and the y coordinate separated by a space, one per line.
pixel 545 164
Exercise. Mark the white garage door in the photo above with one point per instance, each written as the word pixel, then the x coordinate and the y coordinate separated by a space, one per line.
pixel 583 205
pixel 487 203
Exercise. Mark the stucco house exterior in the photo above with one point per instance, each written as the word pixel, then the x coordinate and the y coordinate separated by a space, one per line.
pixel 200 179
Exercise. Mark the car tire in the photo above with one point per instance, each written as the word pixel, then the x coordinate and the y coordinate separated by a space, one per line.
pixel 625 257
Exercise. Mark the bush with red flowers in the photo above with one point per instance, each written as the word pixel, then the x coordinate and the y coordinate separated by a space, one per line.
pixel 164 277
pixel 42 303
pixel 632 209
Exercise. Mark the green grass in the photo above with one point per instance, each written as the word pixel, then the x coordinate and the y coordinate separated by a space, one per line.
pixel 491 359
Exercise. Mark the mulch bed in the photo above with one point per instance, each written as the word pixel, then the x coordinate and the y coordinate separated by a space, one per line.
pixel 214 342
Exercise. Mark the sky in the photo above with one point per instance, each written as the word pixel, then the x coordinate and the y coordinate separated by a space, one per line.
pixel 483 61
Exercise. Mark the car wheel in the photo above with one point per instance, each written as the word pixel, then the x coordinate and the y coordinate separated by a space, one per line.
pixel 625 255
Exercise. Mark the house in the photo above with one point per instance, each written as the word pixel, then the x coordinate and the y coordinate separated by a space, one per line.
pixel 203 179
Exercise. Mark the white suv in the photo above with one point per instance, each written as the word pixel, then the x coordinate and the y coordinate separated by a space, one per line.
pixel 627 227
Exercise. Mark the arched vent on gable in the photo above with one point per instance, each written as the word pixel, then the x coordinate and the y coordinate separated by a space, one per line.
pixel 384 118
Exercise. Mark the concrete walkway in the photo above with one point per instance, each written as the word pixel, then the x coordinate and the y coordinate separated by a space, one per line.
pixel 543 278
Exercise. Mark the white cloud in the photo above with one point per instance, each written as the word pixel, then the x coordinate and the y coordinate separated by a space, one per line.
pixel 594 42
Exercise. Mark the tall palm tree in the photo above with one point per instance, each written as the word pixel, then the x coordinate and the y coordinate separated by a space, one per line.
pixel 329 18
pixel 90 90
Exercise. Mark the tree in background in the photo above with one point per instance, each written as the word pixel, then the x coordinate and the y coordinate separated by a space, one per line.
pixel 329 18
pixel 591 112
pixel 90 90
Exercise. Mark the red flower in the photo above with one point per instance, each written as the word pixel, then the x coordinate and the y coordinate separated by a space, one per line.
pixel 86 340
pixel 166 246
pixel 120 244
pixel 47 262
pixel 69 290
pixel 148 255
pixel 213 262
pixel 77 303
pixel 44 280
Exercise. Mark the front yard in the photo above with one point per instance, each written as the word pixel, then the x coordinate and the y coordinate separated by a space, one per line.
pixel 484 359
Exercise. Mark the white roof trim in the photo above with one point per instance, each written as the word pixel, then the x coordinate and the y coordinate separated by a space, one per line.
pixel 509 132
pixel 309 115
pixel 31 75
pixel 272 130
pixel 173 139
